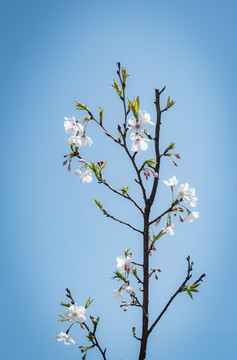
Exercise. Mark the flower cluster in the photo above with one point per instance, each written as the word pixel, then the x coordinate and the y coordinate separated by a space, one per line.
pixel 185 194
pixel 75 127
pixel 74 314
pixel 139 143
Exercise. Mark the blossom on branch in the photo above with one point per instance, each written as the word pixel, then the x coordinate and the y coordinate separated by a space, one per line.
pixel 118 293
pixel 191 216
pixel 124 264
pixel 64 337
pixel 186 194
pixel 169 228
pixel 86 177
pixel 72 126
pixel 75 314
pixel 138 143
pixel 171 182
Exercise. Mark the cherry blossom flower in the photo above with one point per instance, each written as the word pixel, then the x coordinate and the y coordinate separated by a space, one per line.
pixel 129 289
pixel 64 337
pixel 146 118
pixel 77 172
pixel 118 293
pixel 86 177
pixel 138 142
pixel 124 264
pixel 136 125
pixel 85 140
pixel 187 194
pixel 171 182
pixel 75 314
pixel 191 216
pixel 169 228
pixel 72 126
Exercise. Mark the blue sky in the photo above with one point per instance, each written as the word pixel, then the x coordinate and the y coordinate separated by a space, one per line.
pixel 53 236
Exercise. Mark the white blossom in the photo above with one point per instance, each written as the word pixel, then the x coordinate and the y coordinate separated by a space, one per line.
pixel 118 293
pixel 85 140
pixel 138 142
pixel 75 314
pixel 86 177
pixel 80 140
pixel 191 216
pixel 169 228
pixel 124 264
pixel 64 337
pixel 146 117
pixel 136 125
pixel 171 182
pixel 129 289
pixel 77 172
pixel 72 126
pixel 187 194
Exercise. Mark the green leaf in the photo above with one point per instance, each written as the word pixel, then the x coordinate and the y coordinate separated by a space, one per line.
pixel 169 103
pixel 88 302
pixel 120 276
pixel 134 106
pixel 94 168
pixel 90 337
pixel 170 147
pixel 102 167
pixel 134 272
pixel 64 304
pixel 117 88
pixel 80 106
pixel 101 115
pixel 124 190
pixel 98 204
pixel 124 75
pixel 150 162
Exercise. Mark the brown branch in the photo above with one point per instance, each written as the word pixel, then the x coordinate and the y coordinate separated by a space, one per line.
pixel 69 295
pixel 128 197
pixel 165 212
pixel 157 150
pixel 96 342
pixel 188 276
pixel 120 221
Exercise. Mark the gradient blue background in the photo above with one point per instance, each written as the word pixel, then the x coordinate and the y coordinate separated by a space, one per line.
pixel 53 236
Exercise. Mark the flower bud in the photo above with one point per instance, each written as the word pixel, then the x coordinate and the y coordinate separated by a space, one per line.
pixel 181 219
pixel 155 174
pixel 159 270
pixel 178 156
pixel 106 132
pixel 82 326
pixel 125 309
pixel 175 163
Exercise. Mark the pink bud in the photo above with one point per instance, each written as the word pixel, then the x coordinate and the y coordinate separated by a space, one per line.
pixel 175 214
pixel 181 219
pixel 157 222
pixel 125 309
pixel 153 248
pixel 178 156
pixel 155 174
pixel 106 132
pixel 150 253
pixel 181 209
pixel 64 163
pixel 156 277
pixel 81 160
pixel 82 326
pixel 175 163
pixel 159 270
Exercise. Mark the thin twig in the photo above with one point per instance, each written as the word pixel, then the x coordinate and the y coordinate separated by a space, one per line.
pixel 96 342
pixel 120 221
pixel 188 276
pixel 165 212
pixel 128 197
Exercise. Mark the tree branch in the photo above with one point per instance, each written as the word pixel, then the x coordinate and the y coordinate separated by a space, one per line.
pixel 175 294
pixel 120 221
pixel 128 197
pixel 165 212
pixel 96 342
